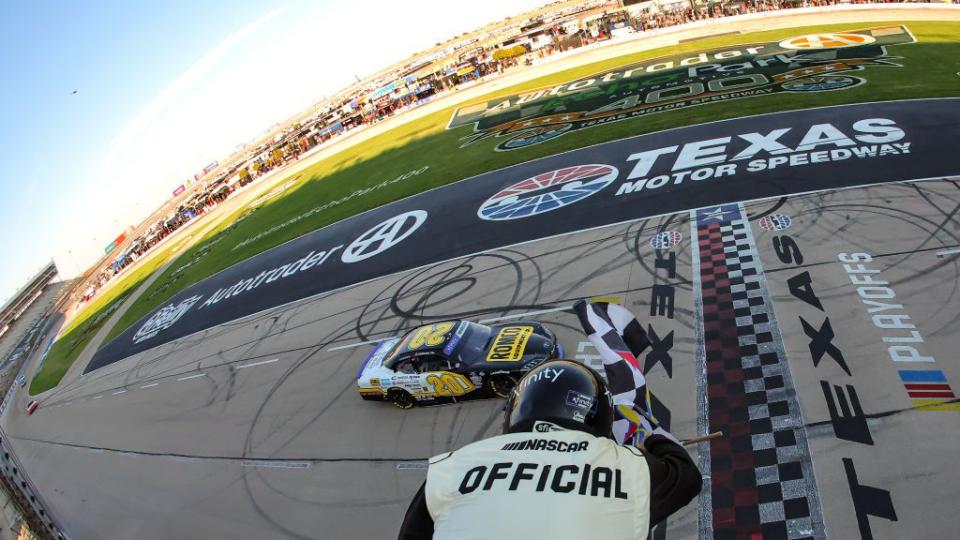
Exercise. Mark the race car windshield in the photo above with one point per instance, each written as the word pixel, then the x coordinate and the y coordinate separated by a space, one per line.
pixel 473 344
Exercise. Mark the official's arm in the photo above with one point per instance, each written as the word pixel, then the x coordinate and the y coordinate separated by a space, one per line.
pixel 674 478
pixel 417 524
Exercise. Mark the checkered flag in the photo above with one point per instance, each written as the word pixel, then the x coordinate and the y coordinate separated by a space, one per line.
pixel 618 336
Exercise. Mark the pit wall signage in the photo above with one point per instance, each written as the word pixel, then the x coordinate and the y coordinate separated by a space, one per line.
pixel 800 64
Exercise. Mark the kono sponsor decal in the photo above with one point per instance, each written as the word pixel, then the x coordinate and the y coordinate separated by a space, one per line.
pixel 164 318
pixel 509 344
pixel 547 191
pixel 744 153
pixel 808 63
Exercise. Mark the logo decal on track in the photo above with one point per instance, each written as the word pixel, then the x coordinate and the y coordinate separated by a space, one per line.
pixel 547 191
pixel 384 236
pixel 800 64
pixel 827 41
pixel 775 222
pixel 665 240
pixel 164 318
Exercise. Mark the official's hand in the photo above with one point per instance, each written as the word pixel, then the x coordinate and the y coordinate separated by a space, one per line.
pixel 660 431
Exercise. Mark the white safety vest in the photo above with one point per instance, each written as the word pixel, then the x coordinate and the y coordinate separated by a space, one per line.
pixel 526 486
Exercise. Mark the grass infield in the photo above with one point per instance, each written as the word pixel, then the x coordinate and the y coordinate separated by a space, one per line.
pixel 930 69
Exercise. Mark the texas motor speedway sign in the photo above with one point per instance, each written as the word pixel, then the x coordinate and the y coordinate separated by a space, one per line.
pixel 800 64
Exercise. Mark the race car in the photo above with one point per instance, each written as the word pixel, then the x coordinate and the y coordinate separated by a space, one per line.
pixel 32 406
pixel 448 360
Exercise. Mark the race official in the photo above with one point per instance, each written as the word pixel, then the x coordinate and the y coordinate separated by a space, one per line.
pixel 555 473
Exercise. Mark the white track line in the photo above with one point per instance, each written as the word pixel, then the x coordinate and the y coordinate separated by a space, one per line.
pixel 527 314
pixel 118 392
pixel 948 252
pixel 358 344
pixel 151 385
pixel 192 377
pixel 260 363
pixel 97 397
pixel 276 464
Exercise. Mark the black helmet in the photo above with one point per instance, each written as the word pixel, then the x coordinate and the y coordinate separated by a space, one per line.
pixel 562 392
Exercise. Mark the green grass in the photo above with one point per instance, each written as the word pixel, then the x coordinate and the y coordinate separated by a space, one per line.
pixel 930 68
pixel 69 346
pixel 91 318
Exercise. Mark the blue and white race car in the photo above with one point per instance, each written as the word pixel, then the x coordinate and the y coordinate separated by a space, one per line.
pixel 449 360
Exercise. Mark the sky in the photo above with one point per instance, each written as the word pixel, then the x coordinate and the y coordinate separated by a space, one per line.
pixel 108 106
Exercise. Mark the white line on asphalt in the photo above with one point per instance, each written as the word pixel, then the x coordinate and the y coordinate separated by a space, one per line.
pixel 151 385
pixel 118 392
pixel 260 363
pixel 277 464
pixel 947 252
pixel 406 465
pixel 527 314
pixel 98 397
pixel 192 377
pixel 358 344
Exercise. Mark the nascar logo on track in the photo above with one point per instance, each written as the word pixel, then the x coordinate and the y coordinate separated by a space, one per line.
pixel 547 191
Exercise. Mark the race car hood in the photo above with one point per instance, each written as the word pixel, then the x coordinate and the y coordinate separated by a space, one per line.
pixel 374 360
pixel 519 343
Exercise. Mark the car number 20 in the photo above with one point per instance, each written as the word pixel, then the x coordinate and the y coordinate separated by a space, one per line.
pixel 431 334
pixel 449 384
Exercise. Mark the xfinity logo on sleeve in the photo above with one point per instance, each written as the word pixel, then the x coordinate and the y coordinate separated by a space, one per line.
pixel 547 191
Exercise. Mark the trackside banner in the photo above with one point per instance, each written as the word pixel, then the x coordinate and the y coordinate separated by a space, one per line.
pixel 797 65
pixel 692 167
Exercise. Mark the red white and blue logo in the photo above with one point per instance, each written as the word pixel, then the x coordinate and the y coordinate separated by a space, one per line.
pixel 665 240
pixel 547 191
pixel 775 222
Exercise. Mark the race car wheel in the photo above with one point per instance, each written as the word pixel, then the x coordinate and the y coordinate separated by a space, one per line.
pixel 401 398
pixel 501 384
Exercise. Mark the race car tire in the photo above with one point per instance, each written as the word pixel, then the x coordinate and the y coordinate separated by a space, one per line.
pixel 501 384
pixel 401 398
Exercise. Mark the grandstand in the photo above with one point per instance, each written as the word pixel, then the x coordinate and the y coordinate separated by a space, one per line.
pixel 27 295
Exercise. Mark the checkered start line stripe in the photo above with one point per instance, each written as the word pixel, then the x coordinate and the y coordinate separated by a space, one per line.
pixel 761 472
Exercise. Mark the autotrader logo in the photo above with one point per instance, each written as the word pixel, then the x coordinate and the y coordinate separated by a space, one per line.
pixel 547 191
pixel 383 236
pixel 835 40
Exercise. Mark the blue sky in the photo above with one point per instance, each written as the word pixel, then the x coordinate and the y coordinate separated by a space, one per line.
pixel 162 89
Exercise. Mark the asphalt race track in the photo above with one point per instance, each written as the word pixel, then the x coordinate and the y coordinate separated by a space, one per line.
pixel 761 156
pixel 818 330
